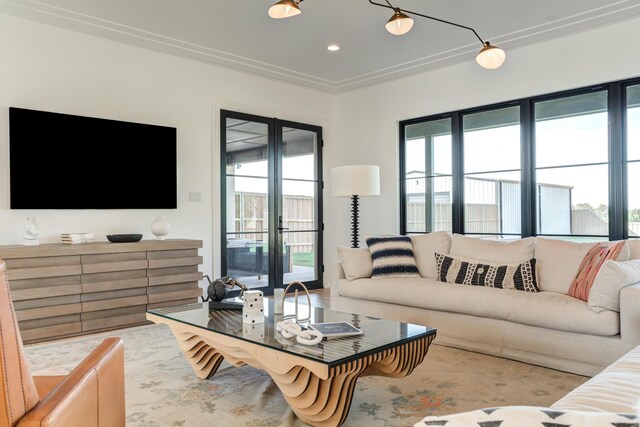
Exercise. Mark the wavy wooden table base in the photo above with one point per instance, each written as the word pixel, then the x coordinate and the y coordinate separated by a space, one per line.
pixel 318 394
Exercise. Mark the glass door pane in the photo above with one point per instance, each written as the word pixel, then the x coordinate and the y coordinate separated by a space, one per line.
pixel 299 224
pixel 247 171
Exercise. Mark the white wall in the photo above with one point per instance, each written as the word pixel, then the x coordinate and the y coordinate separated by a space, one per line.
pixel 44 67
pixel 48 68
pixel 367 119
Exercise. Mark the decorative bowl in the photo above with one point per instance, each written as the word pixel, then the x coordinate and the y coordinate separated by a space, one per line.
pixel 124 238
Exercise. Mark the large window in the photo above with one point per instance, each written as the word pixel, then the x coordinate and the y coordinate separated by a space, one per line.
pixel 571 142
pixel 491 170
pixel 560 165
pixel 427 177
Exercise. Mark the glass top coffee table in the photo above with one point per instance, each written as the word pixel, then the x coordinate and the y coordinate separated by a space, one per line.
pixel 318 380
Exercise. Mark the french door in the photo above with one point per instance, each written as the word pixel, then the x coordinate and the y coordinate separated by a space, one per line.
pixel 271 201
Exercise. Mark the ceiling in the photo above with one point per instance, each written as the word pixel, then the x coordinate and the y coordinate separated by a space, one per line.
pixel 240 35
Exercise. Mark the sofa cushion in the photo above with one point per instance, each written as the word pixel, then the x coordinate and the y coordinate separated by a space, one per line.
pixel 558 262
pixel 612 277
pixel 530 416
pixel 392 256
pixel 543 309
pixel 424 248
pixel 520 277
pixel 356 262
pixel 615 389
pixel 504 252
pixel 634 248
pixel 597 255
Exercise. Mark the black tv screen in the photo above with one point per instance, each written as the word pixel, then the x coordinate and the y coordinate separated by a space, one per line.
pixel 63 161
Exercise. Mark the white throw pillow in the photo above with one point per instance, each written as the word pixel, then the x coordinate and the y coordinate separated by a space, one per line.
pixel 612 277
pixel 503 252
pixel 425 247
pixel 558 262
pixel 356 262
pixel 634 248
pixel 529 416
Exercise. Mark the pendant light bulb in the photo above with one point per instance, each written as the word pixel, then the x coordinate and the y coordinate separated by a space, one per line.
pixel 284 9
pixel 399 23
pixel 490 57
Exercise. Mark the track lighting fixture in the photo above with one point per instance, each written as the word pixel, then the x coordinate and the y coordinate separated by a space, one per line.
pixel 285 9
pixel 399 23
pixel 490 57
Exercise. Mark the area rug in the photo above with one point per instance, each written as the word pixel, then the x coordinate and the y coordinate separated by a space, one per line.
pixel 162 390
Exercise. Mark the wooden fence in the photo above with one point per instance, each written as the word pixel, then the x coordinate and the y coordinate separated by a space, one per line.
pixel 252 214
pixel 479 218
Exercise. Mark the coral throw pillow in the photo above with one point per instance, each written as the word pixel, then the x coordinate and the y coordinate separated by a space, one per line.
pixel 597 255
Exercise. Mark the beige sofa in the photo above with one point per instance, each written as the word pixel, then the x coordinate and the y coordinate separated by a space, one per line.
pixel 611 398
pixel 547 328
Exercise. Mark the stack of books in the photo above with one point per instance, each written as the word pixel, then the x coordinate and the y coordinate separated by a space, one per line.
pixel 74 238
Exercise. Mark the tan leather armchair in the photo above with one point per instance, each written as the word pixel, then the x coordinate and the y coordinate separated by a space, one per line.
pixel 92 395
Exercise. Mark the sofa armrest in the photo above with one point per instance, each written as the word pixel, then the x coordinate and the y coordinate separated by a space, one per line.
pixel 91 395
pixel 630 314
pixel 334 274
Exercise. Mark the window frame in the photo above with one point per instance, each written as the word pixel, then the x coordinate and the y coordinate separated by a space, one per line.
pixel 617 161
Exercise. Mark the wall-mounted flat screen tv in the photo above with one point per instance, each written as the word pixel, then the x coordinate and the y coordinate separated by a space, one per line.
pixel 63 161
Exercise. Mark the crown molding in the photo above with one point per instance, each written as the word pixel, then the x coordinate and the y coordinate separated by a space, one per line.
pixel 68 19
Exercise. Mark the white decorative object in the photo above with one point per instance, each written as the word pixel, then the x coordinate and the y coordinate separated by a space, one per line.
pixel 160 227
pixel 295 298
pixel 278 300
pixel 253 309
pixel 289 329
pixel 30 237
pixel 253 332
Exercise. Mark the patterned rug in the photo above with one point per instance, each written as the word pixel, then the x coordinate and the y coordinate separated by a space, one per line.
pixel 161 389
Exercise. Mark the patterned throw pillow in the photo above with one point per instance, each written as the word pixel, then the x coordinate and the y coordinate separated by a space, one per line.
pixel 530 416
pixel 520 277
pixel 597 255
pixel 392 257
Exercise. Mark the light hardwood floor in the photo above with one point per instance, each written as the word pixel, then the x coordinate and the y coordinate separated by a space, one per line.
pixel 319 298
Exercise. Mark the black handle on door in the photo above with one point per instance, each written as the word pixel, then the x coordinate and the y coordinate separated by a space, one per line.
pixel 280 227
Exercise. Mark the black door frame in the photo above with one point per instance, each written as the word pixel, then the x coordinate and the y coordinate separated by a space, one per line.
pixel 274 148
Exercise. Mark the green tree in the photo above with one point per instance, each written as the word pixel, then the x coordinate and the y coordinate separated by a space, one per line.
pixel 634 215
pixel 584 207
pixel 602 211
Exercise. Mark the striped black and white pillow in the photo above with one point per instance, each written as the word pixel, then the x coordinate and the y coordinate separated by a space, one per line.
pixel 520 277
pixel 392 257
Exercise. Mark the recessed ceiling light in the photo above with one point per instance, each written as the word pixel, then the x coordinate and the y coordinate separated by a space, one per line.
pixel 333 47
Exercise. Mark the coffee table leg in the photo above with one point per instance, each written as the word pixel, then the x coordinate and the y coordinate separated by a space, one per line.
pixel 326 402
pixel 203 358
pixel 318 397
